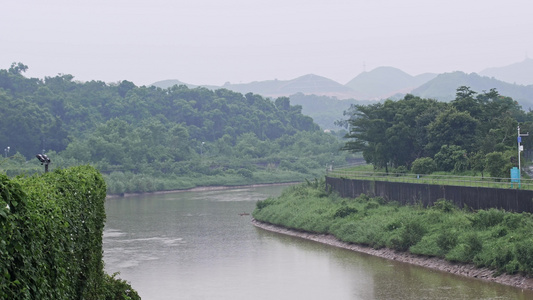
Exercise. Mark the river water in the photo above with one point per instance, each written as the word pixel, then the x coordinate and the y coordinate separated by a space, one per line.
pixel 196 245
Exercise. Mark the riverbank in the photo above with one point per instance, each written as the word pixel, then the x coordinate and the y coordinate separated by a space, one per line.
pixel 467 270
pixel 203 189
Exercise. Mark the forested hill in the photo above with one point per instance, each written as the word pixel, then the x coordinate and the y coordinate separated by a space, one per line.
pixel 122 127
pixel 42 114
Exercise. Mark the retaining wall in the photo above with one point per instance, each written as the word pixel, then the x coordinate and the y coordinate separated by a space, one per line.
pixel 411 193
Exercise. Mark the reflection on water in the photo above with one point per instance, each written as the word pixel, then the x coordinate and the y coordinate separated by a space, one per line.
pixel 196 245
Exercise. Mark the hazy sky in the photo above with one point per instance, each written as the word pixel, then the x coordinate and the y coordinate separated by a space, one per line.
pixel 214 41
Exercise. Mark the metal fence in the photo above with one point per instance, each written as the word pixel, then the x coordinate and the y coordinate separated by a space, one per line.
pixel 400 189
pixel 471 181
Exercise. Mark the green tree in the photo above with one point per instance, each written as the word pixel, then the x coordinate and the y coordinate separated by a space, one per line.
pixel 451 158
pixel 18 68
pixel 179 142
pixel 477 162
pixel 452 127
pixel 495 164
pixel 423 165
pixel 393 133
pixel 465 102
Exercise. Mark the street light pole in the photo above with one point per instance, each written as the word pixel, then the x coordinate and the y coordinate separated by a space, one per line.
pixel 520 149
pixel 43 158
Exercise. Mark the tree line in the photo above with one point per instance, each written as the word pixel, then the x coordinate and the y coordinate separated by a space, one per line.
pixel 120 127
pixel 475 132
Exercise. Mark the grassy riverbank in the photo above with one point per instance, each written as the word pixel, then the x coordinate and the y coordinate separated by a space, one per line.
pixel 119 183
pixel 492 238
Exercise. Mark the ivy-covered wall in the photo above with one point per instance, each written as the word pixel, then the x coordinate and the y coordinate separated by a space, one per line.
pixel 51 235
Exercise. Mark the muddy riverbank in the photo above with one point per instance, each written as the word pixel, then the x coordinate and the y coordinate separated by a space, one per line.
pixel 428 262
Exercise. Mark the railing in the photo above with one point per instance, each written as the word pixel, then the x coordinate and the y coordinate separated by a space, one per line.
pixel 492 182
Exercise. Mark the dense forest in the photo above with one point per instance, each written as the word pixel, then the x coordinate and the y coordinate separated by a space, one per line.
pixel 148 138
pixel 476 132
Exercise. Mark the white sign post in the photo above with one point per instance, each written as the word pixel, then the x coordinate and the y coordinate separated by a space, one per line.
pixel 520 149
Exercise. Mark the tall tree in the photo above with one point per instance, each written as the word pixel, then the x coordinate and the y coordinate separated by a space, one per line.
pixel 452 127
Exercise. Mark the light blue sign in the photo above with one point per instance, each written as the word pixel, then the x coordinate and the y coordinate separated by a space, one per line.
pixel 519 139
pixel 515 175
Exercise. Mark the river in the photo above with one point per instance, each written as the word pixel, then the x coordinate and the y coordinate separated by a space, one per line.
pixel 198 245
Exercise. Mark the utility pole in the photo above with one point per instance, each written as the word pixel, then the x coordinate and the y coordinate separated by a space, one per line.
pixel 520 149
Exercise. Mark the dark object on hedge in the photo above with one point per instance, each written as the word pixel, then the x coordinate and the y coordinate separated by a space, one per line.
pixel 43 158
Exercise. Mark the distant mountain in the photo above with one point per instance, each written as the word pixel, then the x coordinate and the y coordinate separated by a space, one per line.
pixel 519 73
pixel 389 82
pixel 165 84
pixel 308 85
pixel 383 82
pixel 315 85
pixel 325 110
pixel 444 86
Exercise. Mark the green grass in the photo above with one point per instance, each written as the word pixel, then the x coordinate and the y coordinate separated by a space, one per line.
pixel 127 182
pixel 487 238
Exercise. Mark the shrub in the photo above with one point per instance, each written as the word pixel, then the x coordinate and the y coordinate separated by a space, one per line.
pixel 427 246
pixel 264 203
pixel 51 235
pixel 513 221
pixel 469 246
pixel 371 205
pixel 245 173
pixel 344 211
pixel 449 156
pixel 411 234
pixel 118 289
pixel 444 205
pixel 400 170
pixel 446 240
pixel 524 253
pixel 487 218
pixel 423 165
pixel 495 165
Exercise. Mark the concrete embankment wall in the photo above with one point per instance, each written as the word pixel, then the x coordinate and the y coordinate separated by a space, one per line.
pixel 411 193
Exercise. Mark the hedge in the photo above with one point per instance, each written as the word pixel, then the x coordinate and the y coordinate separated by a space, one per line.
pixel 51 230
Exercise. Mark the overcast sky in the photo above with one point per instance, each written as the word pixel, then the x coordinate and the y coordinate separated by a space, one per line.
pixel 214 41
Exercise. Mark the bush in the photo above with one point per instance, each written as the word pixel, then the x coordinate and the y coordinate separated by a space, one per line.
pixel 487 218
pixel 447 240
pixel 467 249
pixel 411 234
pixel 444 205
pixel 495 165
pixel 264 203
pixel 118 289
pixel 423 165
pixel 400 170
pixel 344 211
pixel 524 254
pixel 449 156
pixel 51 235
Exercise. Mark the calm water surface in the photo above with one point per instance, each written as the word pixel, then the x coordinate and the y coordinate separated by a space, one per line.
pixel 195 245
